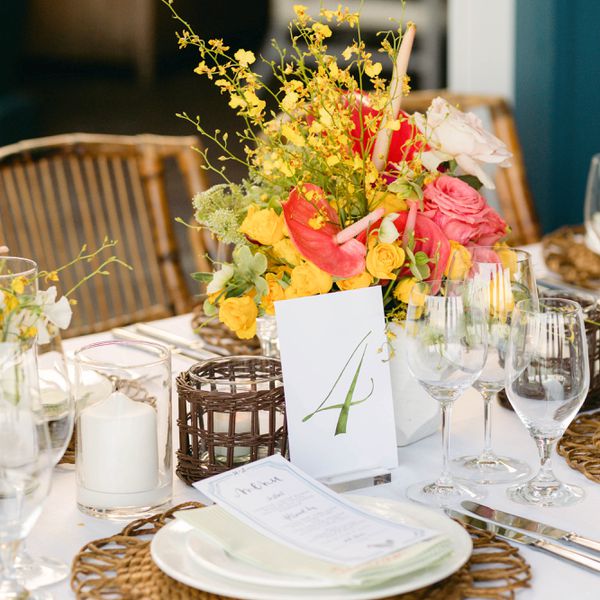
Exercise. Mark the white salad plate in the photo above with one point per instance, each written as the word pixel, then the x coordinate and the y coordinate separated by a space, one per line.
pixel 177 551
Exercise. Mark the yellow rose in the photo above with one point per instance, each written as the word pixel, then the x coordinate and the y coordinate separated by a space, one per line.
pixel 308 280
pixel 507 257
pixel 276 292
pixel 354 283
pixel 239 314
pixel 390 202
pixel 403 289
pixel 459 262
pixel 286 250
pixel 263 225
pixel 382 259
pixel 502 301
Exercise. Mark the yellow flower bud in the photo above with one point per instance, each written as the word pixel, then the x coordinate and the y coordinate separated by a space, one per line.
pixel 286 250
pixel 308 280
pixel 382 259
pixel 276 292
pixel 264 225
pixel 354 283
pixel 459 262
pixel 403 289
pixel 239 314
pixel 390 202
pixel 507 257
pixel 502 300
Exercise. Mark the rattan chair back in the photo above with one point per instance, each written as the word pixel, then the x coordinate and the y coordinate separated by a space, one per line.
pixel 57 193
pixel 514 196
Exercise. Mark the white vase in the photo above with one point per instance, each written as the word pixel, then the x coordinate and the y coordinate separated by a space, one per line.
pixel 417 414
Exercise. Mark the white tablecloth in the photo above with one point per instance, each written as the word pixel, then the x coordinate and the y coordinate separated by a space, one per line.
pixel 62 530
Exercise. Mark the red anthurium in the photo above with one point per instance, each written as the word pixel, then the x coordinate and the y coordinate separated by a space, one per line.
pixel 402 145
pixel 429 238
pixel 314 228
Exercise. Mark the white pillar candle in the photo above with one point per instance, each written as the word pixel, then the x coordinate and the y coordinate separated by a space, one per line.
pixel 119 452
pixel 243 424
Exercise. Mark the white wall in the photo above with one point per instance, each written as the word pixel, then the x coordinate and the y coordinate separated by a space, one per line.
pixel 481 40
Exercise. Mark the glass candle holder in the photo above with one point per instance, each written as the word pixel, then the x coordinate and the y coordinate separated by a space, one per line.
pixel 231 412
pixel 123 452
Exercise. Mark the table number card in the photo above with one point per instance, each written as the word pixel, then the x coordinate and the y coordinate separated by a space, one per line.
pixel 336 377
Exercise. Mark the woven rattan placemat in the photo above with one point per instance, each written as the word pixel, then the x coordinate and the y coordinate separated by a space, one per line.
pixel 580 445
pixel 120 567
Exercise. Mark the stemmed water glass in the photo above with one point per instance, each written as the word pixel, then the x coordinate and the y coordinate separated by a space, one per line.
pixel 446 350
pixel 592 206
pixel 58 410
pixel 503 276
pixel 25 461
pixel 547 380
pixel 55 405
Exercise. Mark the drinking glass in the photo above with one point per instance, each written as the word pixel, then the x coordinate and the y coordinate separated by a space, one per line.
pixel 25 461
pixel 503 276
pixel 55 406
pixel 58 410
pixel 592 206
pixel 547 380
pixel 446 350
pixel 12 267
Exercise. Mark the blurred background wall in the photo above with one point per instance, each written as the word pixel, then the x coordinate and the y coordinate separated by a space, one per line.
pixel 113 66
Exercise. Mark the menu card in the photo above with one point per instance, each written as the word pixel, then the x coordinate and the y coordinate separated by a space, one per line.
pixel 280 501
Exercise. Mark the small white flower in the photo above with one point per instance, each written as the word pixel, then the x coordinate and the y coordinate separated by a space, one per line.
pixel 452 134
pixel 57 312
pixel 388 233
pixel 220 279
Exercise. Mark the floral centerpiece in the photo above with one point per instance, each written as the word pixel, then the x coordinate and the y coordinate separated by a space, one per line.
pixel 344 189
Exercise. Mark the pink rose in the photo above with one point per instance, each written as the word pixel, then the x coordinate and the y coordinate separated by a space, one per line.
pixel 461 212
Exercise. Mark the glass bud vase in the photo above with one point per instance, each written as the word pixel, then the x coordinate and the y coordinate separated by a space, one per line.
pixel 266 332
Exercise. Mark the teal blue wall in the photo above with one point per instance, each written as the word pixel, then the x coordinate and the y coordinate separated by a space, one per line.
pixel 557 101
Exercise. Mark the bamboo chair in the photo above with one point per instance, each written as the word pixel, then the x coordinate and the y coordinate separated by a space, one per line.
pixel 57 193
pixel 513 193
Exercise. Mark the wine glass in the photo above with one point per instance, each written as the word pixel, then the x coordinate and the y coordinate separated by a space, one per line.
pixel 547 380
pixel 55 407
pixel 592 206
pixel 504 276
pixel 25 461
pixel 446 350
pixel 58 410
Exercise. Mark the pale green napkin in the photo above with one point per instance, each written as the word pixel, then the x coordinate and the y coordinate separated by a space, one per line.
pixel 246 544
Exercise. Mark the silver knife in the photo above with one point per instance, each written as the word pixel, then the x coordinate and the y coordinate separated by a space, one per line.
pixel 178 340
pixel 510 520
pixel 514 535
pixel 196 355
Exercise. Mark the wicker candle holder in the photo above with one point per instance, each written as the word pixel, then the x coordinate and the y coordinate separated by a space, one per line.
pixel 231 412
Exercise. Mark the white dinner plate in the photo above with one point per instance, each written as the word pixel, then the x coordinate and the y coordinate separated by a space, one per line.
pixel 170 551
pixel 211 556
